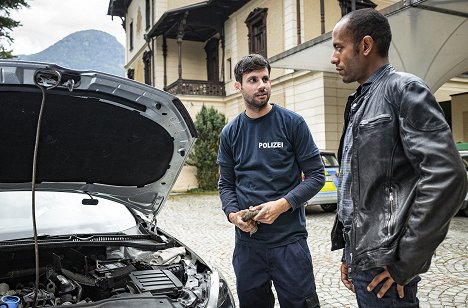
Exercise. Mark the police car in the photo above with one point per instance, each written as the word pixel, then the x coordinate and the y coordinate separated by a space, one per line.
pixel 327 196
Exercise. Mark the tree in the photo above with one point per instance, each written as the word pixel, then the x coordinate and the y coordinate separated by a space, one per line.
pixel 209 123
pixel 7 24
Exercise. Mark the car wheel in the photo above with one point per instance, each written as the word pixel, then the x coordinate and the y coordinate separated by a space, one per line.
pixel 328 207
pixel 464 212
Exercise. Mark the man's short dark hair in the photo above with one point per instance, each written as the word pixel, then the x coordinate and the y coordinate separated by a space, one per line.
pixel 250 63
pixel 370 22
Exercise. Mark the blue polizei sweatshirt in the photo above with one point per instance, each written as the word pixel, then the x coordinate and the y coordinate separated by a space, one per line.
pixel 261 160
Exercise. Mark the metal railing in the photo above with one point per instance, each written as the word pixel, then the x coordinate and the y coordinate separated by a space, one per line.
pixel 196 87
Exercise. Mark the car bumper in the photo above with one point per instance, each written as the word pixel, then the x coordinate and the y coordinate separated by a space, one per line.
pixel 323 198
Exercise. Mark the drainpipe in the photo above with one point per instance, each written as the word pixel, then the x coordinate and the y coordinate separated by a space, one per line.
pixel 150 47
pixel 164 51
pixel 222 53
pixel 153 82
pixel 322 17
pixel 298 20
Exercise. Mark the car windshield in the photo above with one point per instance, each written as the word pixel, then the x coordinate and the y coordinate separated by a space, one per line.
pixel 329 160
pixel 60 213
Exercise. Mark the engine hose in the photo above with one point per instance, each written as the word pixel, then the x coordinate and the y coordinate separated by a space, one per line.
pixel 79 278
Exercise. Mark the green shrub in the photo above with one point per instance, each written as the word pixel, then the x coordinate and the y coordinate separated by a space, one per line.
pixel 209 124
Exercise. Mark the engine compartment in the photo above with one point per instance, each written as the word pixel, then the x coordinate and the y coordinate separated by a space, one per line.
pixel 103 276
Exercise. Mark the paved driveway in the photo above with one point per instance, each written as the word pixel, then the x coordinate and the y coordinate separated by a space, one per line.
pixel 197 220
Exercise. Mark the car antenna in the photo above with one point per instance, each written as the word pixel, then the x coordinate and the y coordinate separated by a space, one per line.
pixel 44 79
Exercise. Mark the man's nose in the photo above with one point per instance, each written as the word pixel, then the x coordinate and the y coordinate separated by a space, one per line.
pixel 334 58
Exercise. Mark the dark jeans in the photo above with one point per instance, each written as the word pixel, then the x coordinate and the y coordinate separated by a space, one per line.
pixel 366 299
pixel 289 267
pixel 391 299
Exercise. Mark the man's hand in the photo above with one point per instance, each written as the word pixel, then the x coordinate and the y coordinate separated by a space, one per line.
pixel 344 277
pixel 236 219
pixel 385 275
pixel 269 211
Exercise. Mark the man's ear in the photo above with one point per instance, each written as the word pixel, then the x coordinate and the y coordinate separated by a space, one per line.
pixel 367 45
pixel 237 86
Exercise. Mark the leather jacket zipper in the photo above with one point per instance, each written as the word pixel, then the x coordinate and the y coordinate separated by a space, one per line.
pixel 391 201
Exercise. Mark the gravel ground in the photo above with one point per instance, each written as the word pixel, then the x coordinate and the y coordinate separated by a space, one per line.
pixel 197 221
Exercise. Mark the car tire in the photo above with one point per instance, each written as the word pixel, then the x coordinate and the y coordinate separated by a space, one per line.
pixel 463 211
pixel 331 207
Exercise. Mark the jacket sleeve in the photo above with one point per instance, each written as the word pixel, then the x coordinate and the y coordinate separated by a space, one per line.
pixel 429 146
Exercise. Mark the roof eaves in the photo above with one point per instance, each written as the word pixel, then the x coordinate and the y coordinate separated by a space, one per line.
pixel 118 7
pixel 164 23
pixel 220 10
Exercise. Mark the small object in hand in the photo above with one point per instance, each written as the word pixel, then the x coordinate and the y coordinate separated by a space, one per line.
pixel 247 217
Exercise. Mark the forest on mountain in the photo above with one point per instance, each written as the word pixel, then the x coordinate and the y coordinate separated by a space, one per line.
pixel 84 50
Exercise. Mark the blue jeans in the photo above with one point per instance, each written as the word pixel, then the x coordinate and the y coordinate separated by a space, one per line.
pixel 390 299
pixel 366 299
pixel 289 267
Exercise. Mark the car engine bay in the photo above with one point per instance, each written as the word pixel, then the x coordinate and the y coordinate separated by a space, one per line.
pixel 104 276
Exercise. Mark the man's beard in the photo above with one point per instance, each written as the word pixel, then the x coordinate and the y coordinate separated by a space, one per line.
pixel 254 104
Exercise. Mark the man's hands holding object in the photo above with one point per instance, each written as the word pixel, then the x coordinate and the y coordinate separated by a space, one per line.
pixel 265 213
pixel 245 224
pixel 248 218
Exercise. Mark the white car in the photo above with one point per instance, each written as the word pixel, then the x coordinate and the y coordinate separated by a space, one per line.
pixel 87 161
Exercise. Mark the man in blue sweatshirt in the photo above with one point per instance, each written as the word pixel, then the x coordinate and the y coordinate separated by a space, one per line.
pixel 261 156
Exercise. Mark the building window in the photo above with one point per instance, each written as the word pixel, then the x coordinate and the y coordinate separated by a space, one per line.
pixel 256 23
pixel 347 5
pixel 148 14
pixel 447 109
pixel 147 66
pixel 131 73
pixel 130 30
pixel 212 59
pixel 229 68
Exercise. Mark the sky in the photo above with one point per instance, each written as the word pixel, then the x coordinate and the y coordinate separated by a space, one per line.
pixel 47 21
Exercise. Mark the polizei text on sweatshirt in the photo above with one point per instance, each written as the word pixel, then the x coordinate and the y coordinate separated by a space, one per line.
pixel 270 145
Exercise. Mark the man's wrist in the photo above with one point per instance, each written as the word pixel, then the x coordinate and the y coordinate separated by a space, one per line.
pixel 231 216
pixel 285 205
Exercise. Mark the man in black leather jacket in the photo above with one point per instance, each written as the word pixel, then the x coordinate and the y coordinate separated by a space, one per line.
pixel 402 179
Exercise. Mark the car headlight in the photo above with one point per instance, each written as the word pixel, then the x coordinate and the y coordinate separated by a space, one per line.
pixel 220 296
pixel 225 299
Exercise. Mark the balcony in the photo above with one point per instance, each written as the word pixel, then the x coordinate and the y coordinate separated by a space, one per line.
pixel 196 87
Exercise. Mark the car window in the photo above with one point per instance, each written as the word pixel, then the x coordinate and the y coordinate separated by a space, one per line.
pixel 59 213
pixel 329 160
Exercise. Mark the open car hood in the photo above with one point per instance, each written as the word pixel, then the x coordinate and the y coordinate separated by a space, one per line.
pixel 100 134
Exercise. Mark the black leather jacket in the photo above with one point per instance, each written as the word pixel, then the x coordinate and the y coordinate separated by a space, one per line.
pixel 408 178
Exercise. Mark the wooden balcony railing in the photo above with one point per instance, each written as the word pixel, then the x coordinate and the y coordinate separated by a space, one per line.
pixel 196 87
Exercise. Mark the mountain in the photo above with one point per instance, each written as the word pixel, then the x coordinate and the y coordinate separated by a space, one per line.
pixel 85 50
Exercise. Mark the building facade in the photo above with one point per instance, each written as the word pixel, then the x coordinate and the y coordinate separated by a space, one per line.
pixel 189 48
